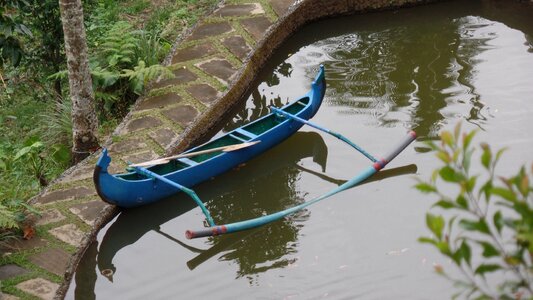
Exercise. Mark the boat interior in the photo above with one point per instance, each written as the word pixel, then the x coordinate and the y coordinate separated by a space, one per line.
pixel 240 135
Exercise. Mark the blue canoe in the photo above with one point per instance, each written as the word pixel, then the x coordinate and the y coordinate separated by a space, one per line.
pixel 134 189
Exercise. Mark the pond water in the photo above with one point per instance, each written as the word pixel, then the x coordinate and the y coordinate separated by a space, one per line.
pixel 423 68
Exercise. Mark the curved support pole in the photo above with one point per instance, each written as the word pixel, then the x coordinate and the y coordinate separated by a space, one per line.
pixel 333 133
pixel 188 191
pixel 252 223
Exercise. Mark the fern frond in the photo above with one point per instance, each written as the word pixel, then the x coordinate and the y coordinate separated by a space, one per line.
pixel 7 218
pixel 141 75
pixel 104 78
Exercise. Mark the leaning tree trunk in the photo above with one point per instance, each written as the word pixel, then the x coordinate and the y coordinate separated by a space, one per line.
pixel 84 120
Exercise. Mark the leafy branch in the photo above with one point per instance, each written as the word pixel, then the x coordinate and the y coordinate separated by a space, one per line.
pixel 495 214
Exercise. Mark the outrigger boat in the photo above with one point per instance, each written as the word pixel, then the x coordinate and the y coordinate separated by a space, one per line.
pixel 134 188
pixel 165 177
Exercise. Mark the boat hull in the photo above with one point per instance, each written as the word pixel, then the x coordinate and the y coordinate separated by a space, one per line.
pixel 123 191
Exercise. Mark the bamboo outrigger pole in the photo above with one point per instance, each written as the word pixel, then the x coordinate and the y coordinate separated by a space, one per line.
pixel 333 133
pixel 252 223
pixel 188 191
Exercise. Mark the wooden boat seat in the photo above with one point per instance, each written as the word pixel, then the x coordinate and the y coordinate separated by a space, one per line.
pixel 239 137
pixel 245 133
pixel 187 161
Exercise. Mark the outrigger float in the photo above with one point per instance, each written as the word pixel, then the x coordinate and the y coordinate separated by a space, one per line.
pixel 152 181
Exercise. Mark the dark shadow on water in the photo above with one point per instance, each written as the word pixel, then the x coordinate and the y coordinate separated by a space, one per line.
pixel 86 280
pixel 228 190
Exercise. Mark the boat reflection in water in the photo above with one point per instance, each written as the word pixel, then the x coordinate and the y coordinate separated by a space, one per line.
pixel 236 195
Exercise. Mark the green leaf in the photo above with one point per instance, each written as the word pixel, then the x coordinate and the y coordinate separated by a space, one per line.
pixel 434 175
pixel 30 208
pixel 486 268
pixel 480 225
pixel 488 249
pixel 457 131
pixel 498 221
pixel 467 139
pixel 451 224
pixel 425 187
pixel 21 28
pixel 448 174
pixel 445 204
pixel 523 185
pixel 511 223
pixel 455 156
pixel 467 158
pixel 435 224
pixel 525 239
pixel 462 202
pixel 444 248
pixel 513 260
pixel 447 138
pixel 7 218
pixel 426 240
pixel 463 253
pixel 486 190
pixel 466 252
pixel 486 157
pixel 504 193
pixel 432 145
pixel 499 154
pixel 22 152
pixel 523 209
pixel 31 141
pixel 470 184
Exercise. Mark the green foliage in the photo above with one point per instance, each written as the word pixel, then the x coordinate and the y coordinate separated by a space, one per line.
pixel 151 48
pixel 43 18
pixel 137 6
pixel 141 75
pixel 495 217
pixel 119 69
pixel 13 213
pixel 117 47
pixel 25 163
pixel 7 218
pixel 12 30
pixel 56 129
pixel 35 115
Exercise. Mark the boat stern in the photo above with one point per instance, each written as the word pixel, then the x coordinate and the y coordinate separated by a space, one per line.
pixel 101 170
pixel 318 89
pixel 104 161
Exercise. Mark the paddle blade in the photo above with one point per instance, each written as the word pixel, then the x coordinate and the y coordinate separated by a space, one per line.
pixel 239 146
pixel 165 160
pixel 151 163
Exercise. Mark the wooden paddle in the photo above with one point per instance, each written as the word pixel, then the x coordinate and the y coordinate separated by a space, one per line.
pixel 165 160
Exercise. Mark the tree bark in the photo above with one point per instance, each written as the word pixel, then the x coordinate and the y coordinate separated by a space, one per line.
pixel 84 120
